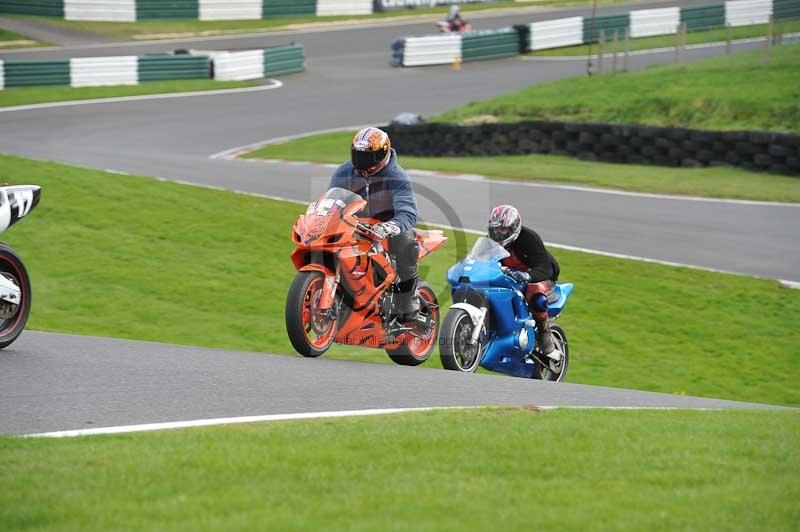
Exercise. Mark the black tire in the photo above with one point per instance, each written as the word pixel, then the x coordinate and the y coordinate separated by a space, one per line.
pixel 546 374
pixel 295 326
pixel 456 327
pixel 12 268
pixel 406 356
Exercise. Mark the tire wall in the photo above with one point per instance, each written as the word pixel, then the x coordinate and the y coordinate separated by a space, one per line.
pixel 615 143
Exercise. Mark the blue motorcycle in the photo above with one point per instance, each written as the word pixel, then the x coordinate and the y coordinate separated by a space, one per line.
pixel 490 325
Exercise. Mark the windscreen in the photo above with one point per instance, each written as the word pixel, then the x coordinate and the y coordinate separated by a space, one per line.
pixel 336 199
pixel 487 250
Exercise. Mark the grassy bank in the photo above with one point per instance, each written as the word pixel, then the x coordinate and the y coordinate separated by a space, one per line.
pixel 10 40
pixel 666 41
pixel 716 182
pixel 33 95
pixel 573 470
pixel 137 258
pixel 698 95
pixel 165 29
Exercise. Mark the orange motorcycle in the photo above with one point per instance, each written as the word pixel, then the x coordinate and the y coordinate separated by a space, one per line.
pixel 345 285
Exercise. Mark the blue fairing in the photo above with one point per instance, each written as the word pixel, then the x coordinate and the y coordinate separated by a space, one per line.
pixel 511 337
pixel 563 291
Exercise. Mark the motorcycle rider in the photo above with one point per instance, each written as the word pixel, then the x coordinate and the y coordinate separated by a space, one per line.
pixel 454 19
pixel 374 174
pixel 529 262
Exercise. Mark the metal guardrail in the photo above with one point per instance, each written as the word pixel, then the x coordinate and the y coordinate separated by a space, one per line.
pixel 133 10
pixel 431 50
pixel 132 70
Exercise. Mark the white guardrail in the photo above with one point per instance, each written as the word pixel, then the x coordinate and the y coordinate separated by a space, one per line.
pixel 573 31
pixel 433 50
pixel 237 66
pixel 107 10
pixel 650 22
pixel 326 8
pixel 100 71
pixel 2 76
pixel 556 33
pixel 230 9
pixel 747 12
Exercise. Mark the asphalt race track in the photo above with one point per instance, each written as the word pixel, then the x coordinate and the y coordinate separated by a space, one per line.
pixel 52 382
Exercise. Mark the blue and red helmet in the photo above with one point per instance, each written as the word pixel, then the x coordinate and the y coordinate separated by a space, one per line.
pixel 505 224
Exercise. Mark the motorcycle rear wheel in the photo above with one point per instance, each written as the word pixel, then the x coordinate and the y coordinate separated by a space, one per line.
pixel 13 322
pixel 418 348
pixel 454 351
pixel 547 374
pixel 310 333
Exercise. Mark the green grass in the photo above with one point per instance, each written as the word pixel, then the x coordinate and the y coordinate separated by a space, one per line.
pixel 665 41
pixel 131 257
pixel 491 469
pixel 10 40
pixel 698 95
pixel 32 95
pixel 154 29
pixel 722 182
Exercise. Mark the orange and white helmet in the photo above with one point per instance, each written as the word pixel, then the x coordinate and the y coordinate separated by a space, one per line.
pixel 370 151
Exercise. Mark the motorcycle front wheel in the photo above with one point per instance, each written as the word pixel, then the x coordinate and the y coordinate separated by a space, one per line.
pixel 455 351
pixel 554 372
pixel 14 316
pixel 310 331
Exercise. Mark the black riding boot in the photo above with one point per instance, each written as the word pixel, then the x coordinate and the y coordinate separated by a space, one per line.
pixel 547 345
pixel 406 302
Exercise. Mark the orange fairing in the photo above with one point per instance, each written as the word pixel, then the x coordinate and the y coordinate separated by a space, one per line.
pixel 429 241
pixel 357 269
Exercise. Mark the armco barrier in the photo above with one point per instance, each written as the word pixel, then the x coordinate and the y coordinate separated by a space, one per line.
pixel 284 60
pixel 99 71
pixel 476 46
pixel 786 9
pixel 169 67
pixel 167 9
pixel 326 8
pixel 433 50
pixel 747 12
pixel 556 33
pixel 650 22
pixel 703 17
pixel 108 10
pixel 238 66
pixel 27 73
pixel 289 8
pixel 46 8
pixel 132 70
pixel 608 24
pixel 619 143
pixel 440 49
pixel 230 9
pixel 132 10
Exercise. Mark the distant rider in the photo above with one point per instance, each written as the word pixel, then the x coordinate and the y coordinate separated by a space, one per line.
pixel 373 173
pixel 530 262
pixel 454 19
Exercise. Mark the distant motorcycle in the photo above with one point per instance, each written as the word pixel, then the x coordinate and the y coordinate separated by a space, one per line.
pixel 16 202
pixel 446 26
pixel 489 324
pixel 345 285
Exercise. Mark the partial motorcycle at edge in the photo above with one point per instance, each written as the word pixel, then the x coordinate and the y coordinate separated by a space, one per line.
pixel 16 202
